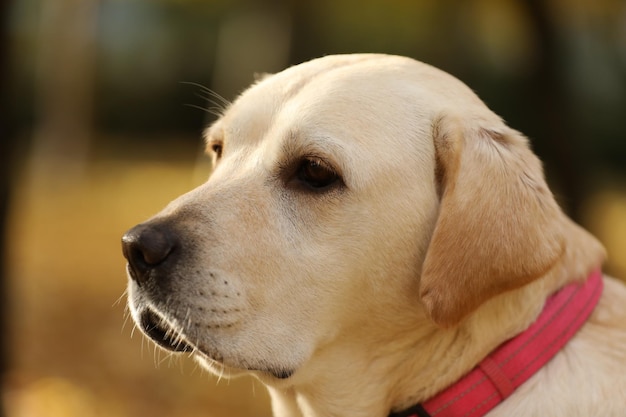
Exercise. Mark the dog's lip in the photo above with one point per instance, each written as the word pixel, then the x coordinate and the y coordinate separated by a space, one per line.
pixel 164 335
pixel 157 330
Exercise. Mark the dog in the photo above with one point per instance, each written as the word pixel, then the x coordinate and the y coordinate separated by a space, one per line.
pixel 370 235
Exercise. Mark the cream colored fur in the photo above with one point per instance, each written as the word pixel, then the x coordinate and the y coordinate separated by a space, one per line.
pixel 440 241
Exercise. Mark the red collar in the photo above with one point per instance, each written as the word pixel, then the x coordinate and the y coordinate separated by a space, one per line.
pixel 516 360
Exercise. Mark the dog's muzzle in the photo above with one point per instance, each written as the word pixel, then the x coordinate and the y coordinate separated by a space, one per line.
pixel 155 253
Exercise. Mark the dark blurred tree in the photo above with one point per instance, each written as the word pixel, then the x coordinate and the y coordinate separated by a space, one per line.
pixel 7 143
pixel 546 89
pixel 64 93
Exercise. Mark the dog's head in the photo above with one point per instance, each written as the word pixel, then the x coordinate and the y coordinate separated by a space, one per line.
pixel 344 191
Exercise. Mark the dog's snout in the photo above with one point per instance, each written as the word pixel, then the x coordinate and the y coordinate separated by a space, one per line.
pixel 145 247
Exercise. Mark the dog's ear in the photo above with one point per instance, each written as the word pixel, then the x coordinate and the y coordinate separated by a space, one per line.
pixel 498 226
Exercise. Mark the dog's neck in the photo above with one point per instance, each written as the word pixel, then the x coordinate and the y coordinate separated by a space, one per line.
pixel 352 378
pixel 515 361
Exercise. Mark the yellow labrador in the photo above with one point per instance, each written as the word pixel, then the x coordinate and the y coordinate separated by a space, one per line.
pixel 370 233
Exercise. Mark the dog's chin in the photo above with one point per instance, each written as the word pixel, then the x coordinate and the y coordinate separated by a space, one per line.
pixel 167 337
pixel 224 371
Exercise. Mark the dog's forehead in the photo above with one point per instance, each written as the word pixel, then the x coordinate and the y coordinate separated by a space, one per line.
pixel 327 91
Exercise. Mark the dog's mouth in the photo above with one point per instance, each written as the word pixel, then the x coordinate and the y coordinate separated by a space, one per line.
pixel 161 333
pixel 166 335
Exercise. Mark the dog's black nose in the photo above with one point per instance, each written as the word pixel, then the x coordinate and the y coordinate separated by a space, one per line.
pixel 146 246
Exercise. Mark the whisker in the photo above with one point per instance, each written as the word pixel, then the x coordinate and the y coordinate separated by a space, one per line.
pixel 210 94
pixel 126 317
pixel 168 356
pixel 119 300
pixel 156 355
pixel 215 111
pixel 143 341
pixel 218 102
pixel 221 374
pixel 195 368
pixel 192 352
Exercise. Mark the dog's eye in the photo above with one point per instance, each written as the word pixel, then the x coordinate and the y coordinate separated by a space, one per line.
pixel 217 148
pixel 316 174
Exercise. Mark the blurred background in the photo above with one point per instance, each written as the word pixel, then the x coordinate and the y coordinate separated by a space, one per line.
pixel 101 111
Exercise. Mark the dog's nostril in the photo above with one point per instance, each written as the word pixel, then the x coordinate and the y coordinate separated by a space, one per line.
pixel 145 247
